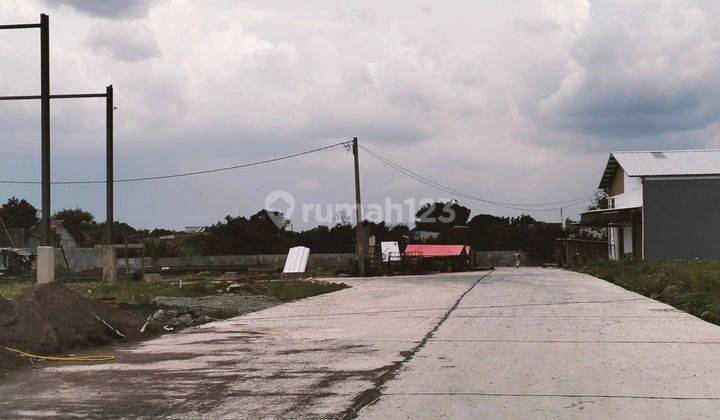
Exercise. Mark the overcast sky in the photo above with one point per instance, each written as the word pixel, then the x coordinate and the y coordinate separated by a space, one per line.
pixel 516 101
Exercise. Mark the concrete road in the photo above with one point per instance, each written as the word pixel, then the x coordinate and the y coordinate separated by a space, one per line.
pixel 536 343
pixel 540 343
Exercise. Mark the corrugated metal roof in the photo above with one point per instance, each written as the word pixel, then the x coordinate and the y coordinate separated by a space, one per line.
pixel 435 250
pixel 662 163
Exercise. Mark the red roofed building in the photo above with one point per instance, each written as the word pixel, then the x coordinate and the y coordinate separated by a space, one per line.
pixel 442 257
pixel 430 251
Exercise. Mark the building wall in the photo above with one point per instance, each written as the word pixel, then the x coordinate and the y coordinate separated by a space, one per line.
pixel 632 192
pixel 80 259
pixel 66 239
pixel 618 183
pixel 682 218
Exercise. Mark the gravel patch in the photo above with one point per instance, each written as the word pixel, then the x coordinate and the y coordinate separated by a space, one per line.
pixel 228 302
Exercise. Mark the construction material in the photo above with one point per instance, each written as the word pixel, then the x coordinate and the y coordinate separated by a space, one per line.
pixel 390 251
pixel 297 260
pixel 100 358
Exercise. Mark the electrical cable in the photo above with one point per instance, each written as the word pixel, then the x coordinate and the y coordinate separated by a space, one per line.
pixel 183 174
pixel 398 166
pixel 408 172
pixel 102 358
pixel 436 185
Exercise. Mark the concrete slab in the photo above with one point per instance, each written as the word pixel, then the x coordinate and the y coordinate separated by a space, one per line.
pixel 521 343
pixel 306 359
pixel 543 343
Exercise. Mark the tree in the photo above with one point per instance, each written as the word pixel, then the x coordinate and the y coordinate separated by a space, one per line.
pixel 438 216
pixel 262 233
pixel 18 213
pixel 80 223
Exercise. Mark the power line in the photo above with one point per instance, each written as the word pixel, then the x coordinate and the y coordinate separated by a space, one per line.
pixel 184 174
pixel 436 185
pixel 408 172
pixel 444 188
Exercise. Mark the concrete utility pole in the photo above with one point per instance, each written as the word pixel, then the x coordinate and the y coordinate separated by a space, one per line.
pixel 109 107
pixel 359 237
pixel 46 251
pixel 45 125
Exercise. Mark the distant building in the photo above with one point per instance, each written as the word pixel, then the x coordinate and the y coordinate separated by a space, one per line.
pixel 195 229
pixel 30 238
pixel 437 251
pixel 662 205
pixel 424 235
pixel 61 236
pixel 188 232
pixel 441 257
pixel 12 237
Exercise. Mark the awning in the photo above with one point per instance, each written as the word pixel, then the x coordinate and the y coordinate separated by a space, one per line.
pixel 609 217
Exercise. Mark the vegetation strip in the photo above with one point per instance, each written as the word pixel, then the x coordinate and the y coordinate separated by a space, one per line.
pixel 693 287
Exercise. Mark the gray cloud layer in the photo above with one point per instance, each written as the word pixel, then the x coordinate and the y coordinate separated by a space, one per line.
pixel 641 68
pixel 122 9
pixel 122 41
pixel 516 102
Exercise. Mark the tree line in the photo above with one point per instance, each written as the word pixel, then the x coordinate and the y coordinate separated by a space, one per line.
pixel 267 232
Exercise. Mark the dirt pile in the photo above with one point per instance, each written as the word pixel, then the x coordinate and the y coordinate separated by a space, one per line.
pixel 50 319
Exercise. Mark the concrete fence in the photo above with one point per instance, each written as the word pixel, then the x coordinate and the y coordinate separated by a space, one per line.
pixel 79 259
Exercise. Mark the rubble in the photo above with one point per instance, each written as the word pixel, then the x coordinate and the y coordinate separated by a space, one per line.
pixel 183 312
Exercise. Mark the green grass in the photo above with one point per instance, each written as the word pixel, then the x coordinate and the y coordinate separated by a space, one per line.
pixel 140 292
pixel 13 289
pixel 693 287
pixel 298 289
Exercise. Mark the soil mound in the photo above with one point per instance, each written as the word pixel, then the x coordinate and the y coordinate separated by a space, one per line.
pixel 50 319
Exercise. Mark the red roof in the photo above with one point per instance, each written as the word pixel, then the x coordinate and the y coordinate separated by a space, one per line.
pixel 435 250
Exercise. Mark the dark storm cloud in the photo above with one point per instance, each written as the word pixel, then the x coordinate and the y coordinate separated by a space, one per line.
pixel 111 9
pixel 640 70
pixel 636 113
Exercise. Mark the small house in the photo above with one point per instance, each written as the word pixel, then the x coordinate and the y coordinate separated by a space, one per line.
pixel 661 205
pixel 61 236
pixel 442 257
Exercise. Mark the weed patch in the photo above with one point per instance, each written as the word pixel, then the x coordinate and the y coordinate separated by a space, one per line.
pixel 693 287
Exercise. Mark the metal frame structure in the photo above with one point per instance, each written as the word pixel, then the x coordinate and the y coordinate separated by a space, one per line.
pixel 44 98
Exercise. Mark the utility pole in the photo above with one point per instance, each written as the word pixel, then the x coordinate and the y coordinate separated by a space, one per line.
pixel 45 260
pixel 109 107
pixel 45 125
pixel 359 242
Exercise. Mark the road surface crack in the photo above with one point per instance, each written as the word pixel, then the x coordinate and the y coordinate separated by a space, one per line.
pixel 371 395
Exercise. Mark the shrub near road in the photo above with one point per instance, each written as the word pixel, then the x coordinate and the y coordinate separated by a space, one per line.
pixel 693 287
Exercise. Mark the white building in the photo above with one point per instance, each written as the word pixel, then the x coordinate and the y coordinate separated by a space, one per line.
pixel 661 205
